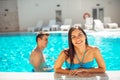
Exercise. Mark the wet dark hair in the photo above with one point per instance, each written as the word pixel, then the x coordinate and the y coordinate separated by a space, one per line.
pixel 40 35
pixel 71 50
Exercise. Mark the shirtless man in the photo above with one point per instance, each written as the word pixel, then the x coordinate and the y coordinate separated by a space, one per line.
pixel 37 57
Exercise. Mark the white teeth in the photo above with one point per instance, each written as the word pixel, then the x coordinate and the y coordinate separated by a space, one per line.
pixel 78 42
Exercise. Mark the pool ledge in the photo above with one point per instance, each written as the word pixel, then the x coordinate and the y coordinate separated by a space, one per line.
pixel 109 75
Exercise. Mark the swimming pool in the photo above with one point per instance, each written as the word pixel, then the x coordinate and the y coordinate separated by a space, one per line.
pixel 15 49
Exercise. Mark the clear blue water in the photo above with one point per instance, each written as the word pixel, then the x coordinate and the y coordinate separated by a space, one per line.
pixel 15 50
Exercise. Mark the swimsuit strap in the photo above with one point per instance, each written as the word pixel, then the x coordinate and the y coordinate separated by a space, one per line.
pixel 78 58
pixel 82 57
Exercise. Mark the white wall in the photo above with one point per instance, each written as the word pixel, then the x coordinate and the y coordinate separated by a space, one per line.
pixel 8 4
pixel 8 15
pixel 31 11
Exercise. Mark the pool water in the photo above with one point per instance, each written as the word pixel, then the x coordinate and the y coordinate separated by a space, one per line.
pixel 15 49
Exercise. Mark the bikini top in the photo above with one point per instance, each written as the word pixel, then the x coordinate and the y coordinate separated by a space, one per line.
pixel 86 65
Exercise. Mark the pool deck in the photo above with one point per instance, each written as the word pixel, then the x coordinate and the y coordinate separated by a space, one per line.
pixel 109 75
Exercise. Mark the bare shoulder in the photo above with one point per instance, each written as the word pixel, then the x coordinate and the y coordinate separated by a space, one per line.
pixel 64 53
pixel 95 50
pixel 34 55
pixel 61 58
pixel 92 48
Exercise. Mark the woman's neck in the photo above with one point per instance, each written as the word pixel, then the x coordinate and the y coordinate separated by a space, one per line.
pixel 81 49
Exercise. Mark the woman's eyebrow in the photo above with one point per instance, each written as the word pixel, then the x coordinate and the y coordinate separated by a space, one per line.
pixel 80 32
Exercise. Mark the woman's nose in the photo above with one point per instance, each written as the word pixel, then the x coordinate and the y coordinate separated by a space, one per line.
pixel 78 37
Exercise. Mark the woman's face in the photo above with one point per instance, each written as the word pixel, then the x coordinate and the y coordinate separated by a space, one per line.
pixel 78 38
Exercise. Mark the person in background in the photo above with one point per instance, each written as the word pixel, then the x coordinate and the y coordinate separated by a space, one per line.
pixel 79 58
pixel 37 58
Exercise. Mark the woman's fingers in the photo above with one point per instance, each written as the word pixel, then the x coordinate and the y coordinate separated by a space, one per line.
pixel 72 72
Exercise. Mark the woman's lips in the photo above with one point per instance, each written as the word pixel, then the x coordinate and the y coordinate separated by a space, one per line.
pixel 79 42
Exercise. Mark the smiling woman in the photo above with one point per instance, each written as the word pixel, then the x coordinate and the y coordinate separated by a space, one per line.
pixel 79 56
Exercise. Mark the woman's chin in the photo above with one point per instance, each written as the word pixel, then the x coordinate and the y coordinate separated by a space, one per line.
pixel 78 45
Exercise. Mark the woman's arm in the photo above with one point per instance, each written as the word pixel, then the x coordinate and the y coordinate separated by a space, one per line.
pixel 100 61
pixel 58 64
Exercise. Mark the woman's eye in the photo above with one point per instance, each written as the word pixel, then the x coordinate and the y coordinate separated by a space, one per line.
pixel 72 37
pixel 80 34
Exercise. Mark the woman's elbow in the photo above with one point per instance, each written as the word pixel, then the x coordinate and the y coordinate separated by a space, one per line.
pixel 56 69
pixel 103 70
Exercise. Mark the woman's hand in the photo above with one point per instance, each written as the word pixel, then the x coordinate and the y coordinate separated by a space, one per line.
pixel 82 70
pixel 72 72
pixel 78 72
pixel 75 72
